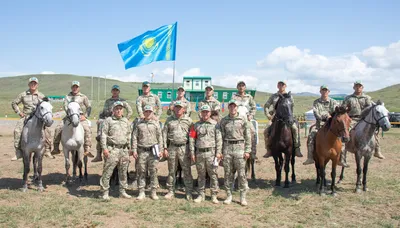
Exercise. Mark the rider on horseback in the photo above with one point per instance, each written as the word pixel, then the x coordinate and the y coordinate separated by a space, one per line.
pixel 272 101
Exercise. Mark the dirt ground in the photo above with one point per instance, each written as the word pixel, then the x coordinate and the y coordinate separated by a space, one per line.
pixel 63 205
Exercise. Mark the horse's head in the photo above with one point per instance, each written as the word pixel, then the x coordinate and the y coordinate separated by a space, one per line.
pixel 340 123
pixel 44 111
pixel 284 106
pixel 74 113
pixel 381 115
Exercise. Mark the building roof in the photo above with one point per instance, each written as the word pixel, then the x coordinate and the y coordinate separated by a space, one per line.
pixel 196 77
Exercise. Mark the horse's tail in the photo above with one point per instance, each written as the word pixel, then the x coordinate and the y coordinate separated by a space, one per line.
pixel 248 164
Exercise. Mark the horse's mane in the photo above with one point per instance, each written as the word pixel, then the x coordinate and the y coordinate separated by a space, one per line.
pixel 365 112
pixel 339 111
pixel 281 110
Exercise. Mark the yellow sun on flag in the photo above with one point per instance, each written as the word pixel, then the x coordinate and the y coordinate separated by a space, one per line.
pixel 149 42
pixel 148 46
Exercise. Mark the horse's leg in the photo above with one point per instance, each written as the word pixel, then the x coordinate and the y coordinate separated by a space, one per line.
pixel 277 170
pixel 40 169
pixel 333 176
pixel 322 174
pixel 293 172
pixel 287 170
pixel 75 160
pixel 34 164
pixel 67 164
pixel 79 164
pixel 27 161
pixel 365 170
pixel 85 160
pixel 253 173
pixel 358 162
pixel 341 177
pixel 318 172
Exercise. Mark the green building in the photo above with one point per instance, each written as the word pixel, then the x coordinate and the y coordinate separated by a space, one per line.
pixel 195 87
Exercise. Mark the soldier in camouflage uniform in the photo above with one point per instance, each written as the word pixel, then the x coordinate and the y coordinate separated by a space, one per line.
pixel 323 108
pixel 236 138
pixel 86 108
pixel 115 141
pixel 358 101
pixel 107 112
pixel 182 99
pixel 213 103
pixel 269 113
pixel 246 101
pixel 176 139
pixel 29 100
pixel 205 143
pixel 145 136
pixel 147 98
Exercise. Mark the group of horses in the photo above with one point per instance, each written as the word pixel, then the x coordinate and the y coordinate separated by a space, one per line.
pixel 328 144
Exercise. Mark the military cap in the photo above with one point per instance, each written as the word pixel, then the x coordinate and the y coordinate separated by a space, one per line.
pixel 210 86
pixel 181 87
pixel 180 104
pixel 33 79
pixel 75 83
pixel 358 82
pixel 232 102
pixel 324 87
pixel 118 103
pixel 146 83
pixel 240 82
pixel 282 81
pixel 115 87
pixel 205 108
pixel 148 108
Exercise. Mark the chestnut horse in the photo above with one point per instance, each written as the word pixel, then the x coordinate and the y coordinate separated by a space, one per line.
pixel 328 145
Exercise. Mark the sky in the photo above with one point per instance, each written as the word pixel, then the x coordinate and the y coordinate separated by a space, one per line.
pixel 306 43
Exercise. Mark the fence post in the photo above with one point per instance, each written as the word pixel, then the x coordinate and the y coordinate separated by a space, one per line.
pixel 305 129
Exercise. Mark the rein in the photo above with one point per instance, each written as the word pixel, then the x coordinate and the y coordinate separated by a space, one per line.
pixel 376 124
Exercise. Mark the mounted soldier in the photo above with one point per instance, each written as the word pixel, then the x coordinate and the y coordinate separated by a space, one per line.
pixel 269 113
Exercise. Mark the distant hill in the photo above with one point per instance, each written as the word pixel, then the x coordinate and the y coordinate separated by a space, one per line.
pixel 59 85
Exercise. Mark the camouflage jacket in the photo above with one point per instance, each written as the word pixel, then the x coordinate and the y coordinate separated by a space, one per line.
pixel 235 129
pixel 116 131
pixel 358 104
pixel 146 134
pixel 246 101
pixel 208 135
pixel 150 99
pixel 81 99
pixel 28 100
pixel 322 109
pixel 186 102
pixel 176 130
pixel 108 108
pixel 273 99
pixel 214 104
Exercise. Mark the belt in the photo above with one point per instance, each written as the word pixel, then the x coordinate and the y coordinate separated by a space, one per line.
pixel 119 146
pixel 178 145
pixel 236 142
pixel 355 116
pixel 205 149
pixel 146 148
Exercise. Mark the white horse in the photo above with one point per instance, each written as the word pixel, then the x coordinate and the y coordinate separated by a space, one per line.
pixel 33 140
pixel 72 139
pixel 362 138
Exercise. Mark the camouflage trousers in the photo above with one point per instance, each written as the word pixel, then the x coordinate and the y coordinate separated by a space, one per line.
pixel 18 133
pixel 117 157
pixel 234 161
pixel 179 154
pixel 87 137
pixel 295 133
pixel 253 139
pixel 204 164
pixel 146 161
pixel 311 139
pixel 99 129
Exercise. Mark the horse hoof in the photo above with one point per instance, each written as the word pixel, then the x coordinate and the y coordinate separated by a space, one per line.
pixel 339 182
pixel 41 189
pixel 358 191
pixel 365 189
pixel 323 194
pixel 277 184
pixel 24 189
pixel 334 194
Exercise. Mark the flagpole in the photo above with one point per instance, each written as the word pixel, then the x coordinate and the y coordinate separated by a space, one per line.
pixel 173 82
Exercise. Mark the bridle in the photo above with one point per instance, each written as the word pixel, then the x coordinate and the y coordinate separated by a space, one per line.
pixel 40 116
pixel 69 117
pixel 376 124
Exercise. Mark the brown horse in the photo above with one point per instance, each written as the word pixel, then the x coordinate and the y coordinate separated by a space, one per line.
pixel 280 140
pixel 328 145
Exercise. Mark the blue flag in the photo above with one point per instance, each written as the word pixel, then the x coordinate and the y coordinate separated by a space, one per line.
pixel 151 46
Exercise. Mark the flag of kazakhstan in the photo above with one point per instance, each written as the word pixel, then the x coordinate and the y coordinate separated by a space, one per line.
pixel 151 46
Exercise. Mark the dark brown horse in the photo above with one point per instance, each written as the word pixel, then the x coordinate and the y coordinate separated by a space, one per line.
pixel 328 145
pixel 280 140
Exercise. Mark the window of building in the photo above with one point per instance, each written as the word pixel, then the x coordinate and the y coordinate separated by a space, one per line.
pixel 197 83
pixel 225 95
pixel 206 83
pixel 160 94
pixel 216 95
pixel 168 95
pixel 188 83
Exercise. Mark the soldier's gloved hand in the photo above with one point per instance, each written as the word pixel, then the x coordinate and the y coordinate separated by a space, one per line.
pixel 246 156
pixel 21 114
pixel 83 117
pixel 106 153
pixel 249 117
pixel 193 158
pixel 135 155
pixel 130 153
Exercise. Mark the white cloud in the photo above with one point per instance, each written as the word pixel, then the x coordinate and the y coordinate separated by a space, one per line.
pixel 383 57
pixel 168 71
pixel 47 72
pixel 192 72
